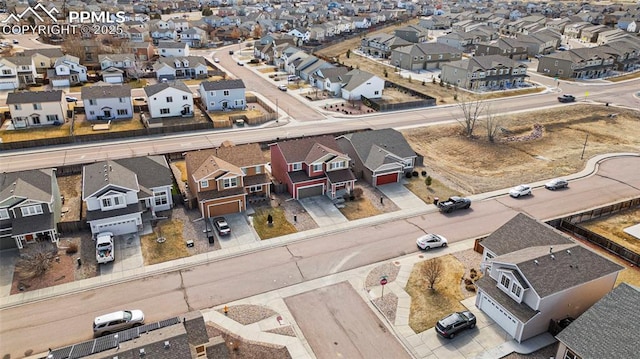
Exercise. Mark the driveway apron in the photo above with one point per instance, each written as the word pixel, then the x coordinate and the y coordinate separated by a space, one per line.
pixel 401 196
pixel 323 211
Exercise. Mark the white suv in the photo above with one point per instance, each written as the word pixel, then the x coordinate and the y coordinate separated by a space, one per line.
pixel 117 321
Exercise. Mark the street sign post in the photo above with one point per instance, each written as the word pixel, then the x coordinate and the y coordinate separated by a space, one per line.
pixel 383 282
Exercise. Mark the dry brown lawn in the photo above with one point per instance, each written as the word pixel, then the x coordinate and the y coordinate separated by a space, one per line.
pixel 173 247
pixel 491 166
pixel 36 133
pixel 624 77
pixel 219 115
pixel 182 166
pixel 280 226
pixel 84 127
pixel 612 227
pixel 267 70
pixel 427 306
pixel 360 208
pixel 438 189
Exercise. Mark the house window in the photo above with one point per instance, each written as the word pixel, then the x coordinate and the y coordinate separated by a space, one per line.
pixel 230 182
pixel 52 118
pixel 258 169
pixel 121 99
pixel 92 113
pixel 516 289
pixel 36 120
pixel 123 112
pixel 37 106
pixel 204 184
pixel 160 198
pixel 17 107
pixel 31 210
pixel 92 102
pixel 337 165
pixel 4 213
pixel 225 92
pixel 169 98
pixel 376 92
pixel 296 166
pixel 505 281
pixel 164 111
pixel 113 202
pixel 212 93
pixel 6 72
pixel 254 189
pixel 570 355
pixel 317 167
pixel 185 97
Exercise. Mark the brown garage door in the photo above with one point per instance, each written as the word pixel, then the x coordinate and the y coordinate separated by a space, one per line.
pixel 224 208
pixel 388 178
pixel 310 191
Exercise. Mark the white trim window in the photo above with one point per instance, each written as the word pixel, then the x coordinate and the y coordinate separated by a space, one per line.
pixel 31 210
pixel 296 166
pixel 505 281
pixel 254 189
pixel 337 165
pixel 160 198
pixel 230 182
pixel 317 167
pixel 258 169
pixel 113 202
pixel 204 184
pixel 4 213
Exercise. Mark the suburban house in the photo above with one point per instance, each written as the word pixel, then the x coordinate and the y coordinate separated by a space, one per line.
pixel 120 195
pixel 508 47
pixel 609 329
pixel 584 62
pixel 143 51
pixel 172 48
pixel 412 33
pixel 357 83
pixel 169 99
pixel 194 37
pixel 312 166
pixel 36 108
pixel 25 70
pixel 43 59
pixel 534 274
pixel 112 75
pixel 180 67
pixel 119 61
pixel 485 72
pixel 8 75
pixel 424 56
pixel 460 40
pixel 328 79
pixel 381 45
pixel 67 71
pixel 379 157
pixel 223 95
pixel 30 207
pixel 224 179
pixel 104 101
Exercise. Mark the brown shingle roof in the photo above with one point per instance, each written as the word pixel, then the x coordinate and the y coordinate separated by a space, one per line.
pixel 298 149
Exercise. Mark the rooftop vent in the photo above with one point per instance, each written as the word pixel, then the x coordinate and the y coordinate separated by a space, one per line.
pixel 142 352
pixel 568 251
pixel 535 261
pixel 553 257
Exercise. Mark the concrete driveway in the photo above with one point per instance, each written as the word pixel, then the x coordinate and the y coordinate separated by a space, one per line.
pixel 8 259
pixel 401 196
pixel 323 211
pixel 241 232
pixel 128 255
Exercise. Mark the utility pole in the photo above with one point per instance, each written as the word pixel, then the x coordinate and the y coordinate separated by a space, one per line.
pixel 584 147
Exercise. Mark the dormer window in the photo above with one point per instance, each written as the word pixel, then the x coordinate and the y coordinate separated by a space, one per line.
pixel 185 63
pixel 337 165
pixel 296 166
pixel 204 184
pixel 177 63
pixel 317 167
pixel 31 210
pixel 113 202
pixel 230 182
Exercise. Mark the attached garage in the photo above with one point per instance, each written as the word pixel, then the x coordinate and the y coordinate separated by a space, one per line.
pixel 387 178
pixel 219 209
pixel 505 320
pixel 119 227
pixel 310 191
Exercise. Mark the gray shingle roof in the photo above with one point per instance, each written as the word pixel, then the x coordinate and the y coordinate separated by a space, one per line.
pixel 222 85
pixel 105 90
pixel 154 89
pixel 374 147
pixel 107 174
pixel 34 97
pixel 609 329
pixel 522 311
pixel 355 78
pixel 152 171
pixel 170 44
pixel 32 184
pixel 523 231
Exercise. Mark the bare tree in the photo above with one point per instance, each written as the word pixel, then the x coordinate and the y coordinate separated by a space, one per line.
pixel 432 271
pixel 72 45
pixel 492 123
pixel 257 31
pixel 471 110
pixel 36 263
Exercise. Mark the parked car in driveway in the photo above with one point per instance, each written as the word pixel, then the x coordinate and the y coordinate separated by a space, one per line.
pixel 519 191
pixel 71 99
pixel 221 225
pixel 117 321
pixel 566 98
pixel 104 247
pixel 557 183
pixel 431 240
pixel 452 324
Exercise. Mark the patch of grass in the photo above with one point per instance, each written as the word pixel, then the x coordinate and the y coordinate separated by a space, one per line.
pixel 429 306
pixel 138 84
pixel 280 226
pixel 625 77
pixel 509 93
pixel 173 247
pixel 182 166
pixel 35 133
pixel 427 194
pixel 224 115
pixel 360 208
pixel 192 82
pixel 267 70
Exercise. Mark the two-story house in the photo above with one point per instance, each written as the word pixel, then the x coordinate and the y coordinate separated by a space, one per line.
pixel 508 47
pixel 120 195
pixel 194 37
pixel 30 207
pixel 380 156
pixel 357 83
pixel 180 67
pixel 534 274
pixel 104 101
pixel 8 75
pixel 381 45
pixel 223 95
pixel 25 70
pixel 312 166
pixel 119 61
pixel 485 72
pixel 143 51
pixel 328 79
pixel 578 63
pixel 224 179
pixel 36 108
pixel 412 33
pixel 169 99
pixel 43 59
pixel 172 48
pixel 424 56
pixel 67 71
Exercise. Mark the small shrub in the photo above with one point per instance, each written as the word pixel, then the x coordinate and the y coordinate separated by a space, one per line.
pixel 470 288
pixel 424 173
pixel 408 174
pixel 433 80
pixel 428 181
pixel 72 249
pixel 415 173
pixel 468 281
pixel 357 192
pixel 423 83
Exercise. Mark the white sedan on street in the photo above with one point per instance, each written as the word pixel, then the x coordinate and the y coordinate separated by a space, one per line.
pixel 519 191
pixel 430 240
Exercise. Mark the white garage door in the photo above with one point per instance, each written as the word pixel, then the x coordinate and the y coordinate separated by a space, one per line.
pixel 119 228
pixel 504 319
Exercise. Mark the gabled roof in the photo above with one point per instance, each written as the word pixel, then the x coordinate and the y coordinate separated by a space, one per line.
pixel 375 148
pixel 355 78
pixel 151 171
pixel 105 90
pixel 332 73
pixel 116 57
pixel 171 44
pixel 32 184
pixel 53 52
pixel 171 61
pixel 523 231
pixel 99 175
pixel 609 329
pixel 34 97
pixel 204 162
pixel 222 85
pixel 298 150
pixel 154 89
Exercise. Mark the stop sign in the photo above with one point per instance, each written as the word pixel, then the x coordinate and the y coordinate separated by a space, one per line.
pixel 383 281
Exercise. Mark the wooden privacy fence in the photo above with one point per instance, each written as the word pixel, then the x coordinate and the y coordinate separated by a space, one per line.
pixel 601 242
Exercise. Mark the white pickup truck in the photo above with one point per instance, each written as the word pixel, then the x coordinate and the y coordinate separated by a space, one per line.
pixel 104 247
